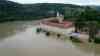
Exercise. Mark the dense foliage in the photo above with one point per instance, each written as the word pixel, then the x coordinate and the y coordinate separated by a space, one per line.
pixel 89 18
pixel 10 11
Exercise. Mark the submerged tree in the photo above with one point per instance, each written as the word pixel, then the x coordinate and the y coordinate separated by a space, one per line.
pixel 88 16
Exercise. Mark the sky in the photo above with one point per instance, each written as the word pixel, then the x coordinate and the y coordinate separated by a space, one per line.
pixel 78 2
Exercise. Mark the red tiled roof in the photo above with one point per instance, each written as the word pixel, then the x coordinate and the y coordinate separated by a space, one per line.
pixel 64 24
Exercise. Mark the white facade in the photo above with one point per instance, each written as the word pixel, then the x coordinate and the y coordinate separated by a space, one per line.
pixel 59 17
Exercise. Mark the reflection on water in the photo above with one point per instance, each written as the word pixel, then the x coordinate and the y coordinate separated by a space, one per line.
pixel 11 28
pixel 85 47
pixel 97 50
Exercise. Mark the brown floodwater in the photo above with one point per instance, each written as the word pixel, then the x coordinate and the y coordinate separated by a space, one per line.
pixel 19 39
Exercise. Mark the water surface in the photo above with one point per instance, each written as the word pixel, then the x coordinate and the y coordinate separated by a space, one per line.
pixel 21 34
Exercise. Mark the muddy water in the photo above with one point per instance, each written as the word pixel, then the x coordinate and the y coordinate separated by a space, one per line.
pixel 20 39
pixel 97 49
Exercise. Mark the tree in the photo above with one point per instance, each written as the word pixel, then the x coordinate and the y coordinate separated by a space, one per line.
pixel 88 16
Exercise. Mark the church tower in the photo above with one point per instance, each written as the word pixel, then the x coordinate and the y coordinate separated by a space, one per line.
pixel 59 17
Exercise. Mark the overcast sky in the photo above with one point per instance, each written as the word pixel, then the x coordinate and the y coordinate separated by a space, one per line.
pixel 79 2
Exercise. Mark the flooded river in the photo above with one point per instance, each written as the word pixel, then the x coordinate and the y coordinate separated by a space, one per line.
pixel 19 39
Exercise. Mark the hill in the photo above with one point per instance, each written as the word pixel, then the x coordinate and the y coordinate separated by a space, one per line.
pixel 10 11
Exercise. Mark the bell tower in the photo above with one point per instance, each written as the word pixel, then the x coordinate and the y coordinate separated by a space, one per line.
pixel 59 17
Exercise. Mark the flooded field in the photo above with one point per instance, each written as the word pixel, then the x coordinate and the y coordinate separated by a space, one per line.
pixel 19 39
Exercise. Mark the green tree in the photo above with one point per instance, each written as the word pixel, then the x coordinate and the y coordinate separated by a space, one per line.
pixel 88 16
